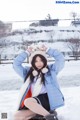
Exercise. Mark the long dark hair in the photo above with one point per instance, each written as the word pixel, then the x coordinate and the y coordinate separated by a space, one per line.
pixel 44 60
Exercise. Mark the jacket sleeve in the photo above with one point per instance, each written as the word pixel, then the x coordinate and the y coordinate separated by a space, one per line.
pixel 59 60
pixel 17 64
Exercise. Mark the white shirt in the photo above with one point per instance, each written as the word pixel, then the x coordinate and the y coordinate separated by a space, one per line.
pixel 43 89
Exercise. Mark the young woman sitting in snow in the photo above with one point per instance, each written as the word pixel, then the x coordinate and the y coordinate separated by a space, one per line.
pixel 40 92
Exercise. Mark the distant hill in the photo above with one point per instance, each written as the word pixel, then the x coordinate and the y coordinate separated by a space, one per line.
pixel 18 40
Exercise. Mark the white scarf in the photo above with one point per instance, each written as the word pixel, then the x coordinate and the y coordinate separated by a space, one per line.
pixel 37 87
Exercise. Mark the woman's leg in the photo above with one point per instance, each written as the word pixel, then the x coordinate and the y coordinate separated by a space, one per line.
pixel 32 104
pixel 23 115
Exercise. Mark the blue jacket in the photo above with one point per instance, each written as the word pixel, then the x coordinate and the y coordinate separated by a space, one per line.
pixel 56 98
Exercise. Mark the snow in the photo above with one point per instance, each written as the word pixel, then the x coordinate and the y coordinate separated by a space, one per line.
pixel 68 78
pixel 71 110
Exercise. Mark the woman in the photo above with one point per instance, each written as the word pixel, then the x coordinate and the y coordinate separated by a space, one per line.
pixel 40 92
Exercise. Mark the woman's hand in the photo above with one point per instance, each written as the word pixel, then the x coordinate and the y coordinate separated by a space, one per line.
pixel 43 48
pixel 30 49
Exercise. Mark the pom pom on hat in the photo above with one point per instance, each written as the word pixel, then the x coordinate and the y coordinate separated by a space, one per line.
pixel 44 70
pixel 35 73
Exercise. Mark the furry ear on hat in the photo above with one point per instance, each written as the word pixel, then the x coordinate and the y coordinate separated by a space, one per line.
pixel 35 53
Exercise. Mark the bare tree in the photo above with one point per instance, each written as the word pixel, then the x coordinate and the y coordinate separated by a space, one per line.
pixel 48 17
pixel 1 51
pixel 74 15
pixel 74 46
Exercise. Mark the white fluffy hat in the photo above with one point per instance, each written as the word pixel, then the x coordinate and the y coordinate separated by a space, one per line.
pixel 35 53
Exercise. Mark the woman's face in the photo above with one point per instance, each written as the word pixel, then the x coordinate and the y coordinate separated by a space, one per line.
pixel 39 63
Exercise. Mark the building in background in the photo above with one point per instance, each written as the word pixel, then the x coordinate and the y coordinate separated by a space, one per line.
pixel 76 23
pixel 5 28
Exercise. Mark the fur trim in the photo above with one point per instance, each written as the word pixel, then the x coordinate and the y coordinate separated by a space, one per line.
pixel 35 92
pixel 22 91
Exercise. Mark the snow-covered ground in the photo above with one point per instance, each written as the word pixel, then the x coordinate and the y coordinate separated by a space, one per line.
pixel 71 110
pixel 68 78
